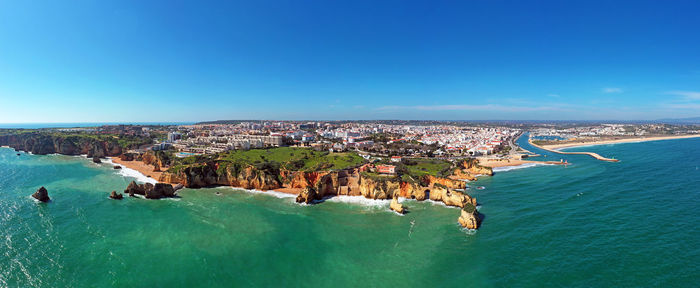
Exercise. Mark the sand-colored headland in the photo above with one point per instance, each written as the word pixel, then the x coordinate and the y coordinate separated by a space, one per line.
pixel 512 160
pixel 589 142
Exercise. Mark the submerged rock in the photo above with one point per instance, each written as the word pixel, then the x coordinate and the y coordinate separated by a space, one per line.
pixel 117 167
pixel 115 195
pixel 96 159
pixel 18 154
pixel 396 206
pixel 41 194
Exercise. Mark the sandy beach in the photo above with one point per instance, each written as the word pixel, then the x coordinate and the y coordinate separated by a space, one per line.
pixel 493 163
pixel 294 191
pixel 616 141
pixel 139 166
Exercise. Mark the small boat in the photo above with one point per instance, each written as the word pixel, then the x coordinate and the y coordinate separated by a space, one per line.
pixel 481 187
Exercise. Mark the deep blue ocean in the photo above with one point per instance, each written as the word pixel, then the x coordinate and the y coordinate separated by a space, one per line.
pixel 589 224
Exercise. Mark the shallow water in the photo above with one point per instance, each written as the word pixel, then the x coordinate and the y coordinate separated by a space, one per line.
pixel 591 223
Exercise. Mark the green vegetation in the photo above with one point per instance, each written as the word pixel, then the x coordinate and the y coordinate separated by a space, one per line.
pixel 438 185
pixel 294 158
pixel 469 208
pixel 77 137
pixel 297 159
pixel 421 167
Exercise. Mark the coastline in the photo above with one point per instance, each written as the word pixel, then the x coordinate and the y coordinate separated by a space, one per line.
pixel 514 162
pixel 617 141
pixel 594 155
pixel 144 169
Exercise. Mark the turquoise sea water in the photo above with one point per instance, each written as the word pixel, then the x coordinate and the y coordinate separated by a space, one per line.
pixel 589 224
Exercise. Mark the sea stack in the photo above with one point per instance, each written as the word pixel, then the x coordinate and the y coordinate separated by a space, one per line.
pixel 469 218
pixel 150 191
pixel 41 194
pixel 115 195
pixel 396 206
pixel 307 195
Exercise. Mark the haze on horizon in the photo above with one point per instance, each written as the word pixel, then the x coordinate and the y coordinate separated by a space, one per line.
pixel 134 61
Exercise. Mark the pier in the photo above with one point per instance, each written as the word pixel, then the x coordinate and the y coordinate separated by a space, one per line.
pixel 594 155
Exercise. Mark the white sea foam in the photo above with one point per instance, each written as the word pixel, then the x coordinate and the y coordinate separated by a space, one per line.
pixel 360 200
pixel 269 193
pixel 508 168
pixel 432 202
pixel 128 172
pixel 469 231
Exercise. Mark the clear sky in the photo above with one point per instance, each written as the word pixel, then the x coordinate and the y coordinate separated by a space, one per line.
pixel 109 61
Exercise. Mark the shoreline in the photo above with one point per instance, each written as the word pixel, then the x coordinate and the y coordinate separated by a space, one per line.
pixel 138 166
pixel 594 155
pixel 147 172
pixel 617 141
pixel 513 162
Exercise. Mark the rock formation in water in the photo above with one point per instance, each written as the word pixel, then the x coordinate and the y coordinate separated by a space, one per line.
pixel 442 194
pixel 41 144
pixel 308 195
pixel 396 206
pixel 117 167
pixel 469 217
pixel 150 191
pixel 96 160
pixel 115 195
pixel 41 194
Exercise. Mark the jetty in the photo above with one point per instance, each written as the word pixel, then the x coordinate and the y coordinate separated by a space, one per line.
pixel 594 155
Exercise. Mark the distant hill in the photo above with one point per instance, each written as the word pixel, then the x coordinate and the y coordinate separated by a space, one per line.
pixel 225 122
pixel 691 120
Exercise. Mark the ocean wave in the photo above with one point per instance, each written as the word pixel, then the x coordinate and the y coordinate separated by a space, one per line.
pixel 359 200
pixel 468 231
pixel 273 193
pixel 128 172
pixel 508 168
pixel 438 203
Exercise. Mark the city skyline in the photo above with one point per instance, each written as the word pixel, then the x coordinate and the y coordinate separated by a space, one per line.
pixel 186 62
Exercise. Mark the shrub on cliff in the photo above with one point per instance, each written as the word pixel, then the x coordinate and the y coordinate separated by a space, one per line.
pixel 469 208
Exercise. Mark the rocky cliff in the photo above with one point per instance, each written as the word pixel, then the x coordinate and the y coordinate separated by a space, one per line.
pixel 469 217
pixel 321 184
pixel 39 143
pixel 468 169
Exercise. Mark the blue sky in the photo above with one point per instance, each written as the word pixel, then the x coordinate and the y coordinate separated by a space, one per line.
pixel 110 61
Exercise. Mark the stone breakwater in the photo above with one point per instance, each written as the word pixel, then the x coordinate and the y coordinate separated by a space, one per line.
pixel 594 155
